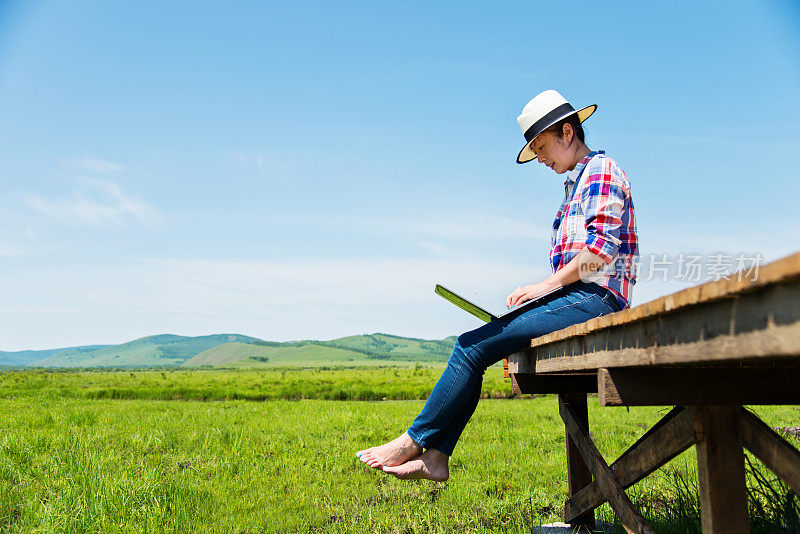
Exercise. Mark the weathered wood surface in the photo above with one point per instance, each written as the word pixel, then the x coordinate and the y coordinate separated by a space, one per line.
pixel 758 322
pixel 720 470
pixel 773 273
pixel 667 439
pixel 629 517
pixel 578 474
pixel 654 386
pixel 772 450
pixel 777 343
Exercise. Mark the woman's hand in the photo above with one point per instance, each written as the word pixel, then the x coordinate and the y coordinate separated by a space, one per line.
pixel 521 294
pixel 585 262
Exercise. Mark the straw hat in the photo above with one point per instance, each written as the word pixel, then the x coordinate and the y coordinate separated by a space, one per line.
pixel 546 109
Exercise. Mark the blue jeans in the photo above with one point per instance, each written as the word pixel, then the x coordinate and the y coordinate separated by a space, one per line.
pixel 456 394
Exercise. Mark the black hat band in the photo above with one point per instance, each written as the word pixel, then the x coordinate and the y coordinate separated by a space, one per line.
pixel 547 120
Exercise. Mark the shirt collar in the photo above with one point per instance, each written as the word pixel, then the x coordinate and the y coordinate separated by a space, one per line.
pixel 574 173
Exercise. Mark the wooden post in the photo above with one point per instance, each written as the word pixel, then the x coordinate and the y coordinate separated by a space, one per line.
pixel 668 438
pixel 578 474
pixel 630 518
pixel 720 469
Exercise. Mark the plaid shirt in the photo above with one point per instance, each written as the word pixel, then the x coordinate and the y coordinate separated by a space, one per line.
pixel 600 216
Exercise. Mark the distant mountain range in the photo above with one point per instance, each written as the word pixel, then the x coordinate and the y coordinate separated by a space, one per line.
pixel 236 350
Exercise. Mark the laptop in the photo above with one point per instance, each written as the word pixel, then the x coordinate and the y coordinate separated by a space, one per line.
pixel 476 310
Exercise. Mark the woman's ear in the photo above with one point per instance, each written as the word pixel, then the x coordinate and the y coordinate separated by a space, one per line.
pixel 567 133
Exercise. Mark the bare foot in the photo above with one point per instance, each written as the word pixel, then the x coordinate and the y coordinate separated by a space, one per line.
pixel 431 465
pixel 393 453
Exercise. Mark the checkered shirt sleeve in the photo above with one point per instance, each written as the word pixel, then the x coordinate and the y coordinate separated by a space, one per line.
pixel 599 216
pixel 602 197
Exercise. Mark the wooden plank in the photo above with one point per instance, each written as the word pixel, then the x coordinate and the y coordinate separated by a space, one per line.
pixel 578 474
pixel 773 451
pixel 672 435
pixel 629 517
pixel 774 309
pixel 777 343
pixel 654 386
pixel 787 268
pixel 720 469
pixel 505 368
pixel 554 383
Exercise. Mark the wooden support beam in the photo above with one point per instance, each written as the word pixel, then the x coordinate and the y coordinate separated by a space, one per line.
pixel 651 386
pixel 720 469
pixel 672 435
pixel 532 383
pixel 773 451
pixel 578 474
pixel 776 343
pixel 630 518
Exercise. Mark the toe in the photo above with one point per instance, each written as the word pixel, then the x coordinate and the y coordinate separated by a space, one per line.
pixel 394 471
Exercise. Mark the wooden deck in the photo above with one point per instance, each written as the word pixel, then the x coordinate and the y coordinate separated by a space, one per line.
pixel 707 350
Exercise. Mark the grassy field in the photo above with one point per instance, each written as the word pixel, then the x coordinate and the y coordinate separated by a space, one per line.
pixel 250 356
pixel 73 461
pixel 263 384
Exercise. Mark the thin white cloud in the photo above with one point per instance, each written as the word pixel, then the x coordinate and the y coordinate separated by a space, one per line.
pixel 469 227
pixel 8 249
pixel 94 202
pixel 261 161
pixel 86 303
pixel 94 165
pixel 276 300
pixel 17 238
pixel 427 230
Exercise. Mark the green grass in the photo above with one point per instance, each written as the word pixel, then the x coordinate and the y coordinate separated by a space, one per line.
pixel 96 465
pixel 265 384
pixel 70 462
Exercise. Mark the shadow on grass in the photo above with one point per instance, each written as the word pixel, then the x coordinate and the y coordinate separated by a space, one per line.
pixel 602 527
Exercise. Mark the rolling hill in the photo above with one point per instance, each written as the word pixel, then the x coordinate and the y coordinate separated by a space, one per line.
pixel 160 350
pixel 362 350
pixel 235 350
pixel 389 347
pixel 26 357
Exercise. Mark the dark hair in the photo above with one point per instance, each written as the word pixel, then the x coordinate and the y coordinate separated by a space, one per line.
pixel 572 120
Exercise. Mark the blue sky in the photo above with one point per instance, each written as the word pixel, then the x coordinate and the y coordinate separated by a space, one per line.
pixel 311 171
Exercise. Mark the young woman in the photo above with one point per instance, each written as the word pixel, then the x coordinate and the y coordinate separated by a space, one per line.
pixel 593 254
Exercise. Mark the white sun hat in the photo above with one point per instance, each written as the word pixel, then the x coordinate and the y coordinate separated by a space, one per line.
pixel 546 109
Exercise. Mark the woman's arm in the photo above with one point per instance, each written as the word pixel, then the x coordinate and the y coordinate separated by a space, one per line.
pixel 582 265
